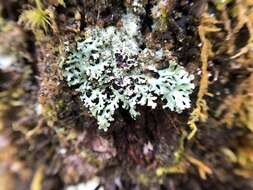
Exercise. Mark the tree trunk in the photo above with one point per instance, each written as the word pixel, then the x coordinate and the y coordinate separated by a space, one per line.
pixel 48 139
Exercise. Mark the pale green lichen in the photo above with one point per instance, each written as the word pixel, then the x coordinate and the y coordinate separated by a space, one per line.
pixel 110 70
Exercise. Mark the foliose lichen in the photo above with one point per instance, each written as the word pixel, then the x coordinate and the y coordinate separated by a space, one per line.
pixel 111 70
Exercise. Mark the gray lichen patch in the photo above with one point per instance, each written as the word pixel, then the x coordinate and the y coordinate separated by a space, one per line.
pixel 111 70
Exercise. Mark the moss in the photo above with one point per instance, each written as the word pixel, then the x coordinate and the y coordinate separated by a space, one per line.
pixel 200 113
pixel 238 108
pixel 37 19
pixel 160 14
pixel 61 2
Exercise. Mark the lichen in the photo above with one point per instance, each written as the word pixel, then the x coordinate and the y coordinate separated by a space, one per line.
pixel 111 70
pixel 138 6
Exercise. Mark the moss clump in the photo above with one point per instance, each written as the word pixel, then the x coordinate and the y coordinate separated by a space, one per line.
pixel 36 18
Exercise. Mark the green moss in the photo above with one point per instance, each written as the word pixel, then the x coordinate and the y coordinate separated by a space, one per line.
pixel 36 18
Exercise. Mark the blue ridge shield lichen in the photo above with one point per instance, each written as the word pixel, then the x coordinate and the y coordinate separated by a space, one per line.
pixel 109 69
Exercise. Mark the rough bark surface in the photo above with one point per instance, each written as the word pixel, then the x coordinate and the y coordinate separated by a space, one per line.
pixel 48 141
